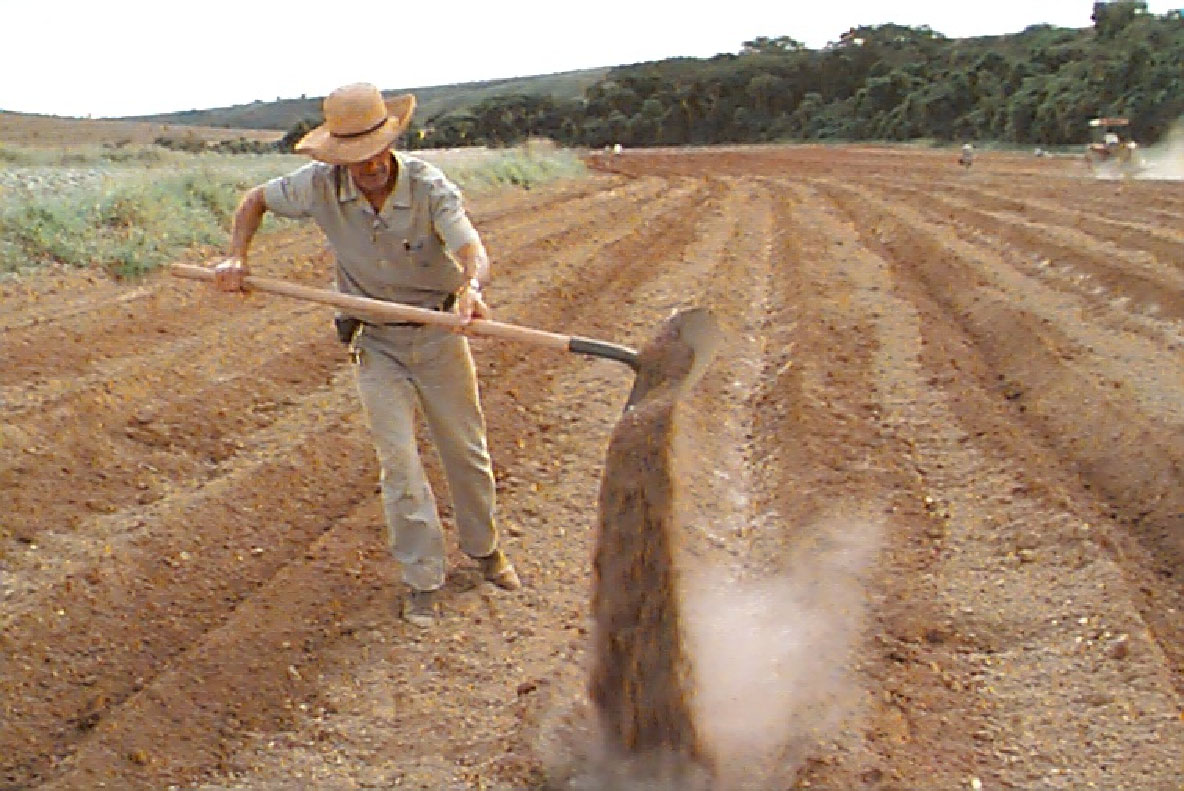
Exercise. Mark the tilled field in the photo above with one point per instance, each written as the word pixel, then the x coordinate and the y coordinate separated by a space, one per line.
pixel 949 419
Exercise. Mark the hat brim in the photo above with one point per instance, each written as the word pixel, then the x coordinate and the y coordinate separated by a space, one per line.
pixel 322 145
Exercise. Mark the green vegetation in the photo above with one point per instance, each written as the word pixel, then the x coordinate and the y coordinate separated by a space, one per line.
pixel 126 219
pixel 81 156
pixel 67 208
pixel 239 145
pixel 887 82
pixel 530 165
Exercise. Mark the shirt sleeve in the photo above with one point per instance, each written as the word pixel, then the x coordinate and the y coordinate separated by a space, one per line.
pixel 449 217
pixel 295 194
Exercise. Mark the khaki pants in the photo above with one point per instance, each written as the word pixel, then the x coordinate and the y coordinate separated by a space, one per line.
pixel 400 370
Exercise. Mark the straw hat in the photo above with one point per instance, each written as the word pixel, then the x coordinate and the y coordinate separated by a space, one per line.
pixel 358 124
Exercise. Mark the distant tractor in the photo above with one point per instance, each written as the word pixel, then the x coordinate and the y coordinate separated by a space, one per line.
pixel 1109 151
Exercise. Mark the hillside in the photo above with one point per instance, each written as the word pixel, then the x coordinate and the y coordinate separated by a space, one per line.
pixel 1037 87
pixel 433 101
pixel 47 131
pixel 1040 86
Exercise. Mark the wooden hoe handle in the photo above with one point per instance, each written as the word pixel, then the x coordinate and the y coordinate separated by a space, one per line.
pixel 379 310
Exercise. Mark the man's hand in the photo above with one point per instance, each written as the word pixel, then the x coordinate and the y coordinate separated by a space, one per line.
pixel 475 264
pixel 230 274
pixel 470 305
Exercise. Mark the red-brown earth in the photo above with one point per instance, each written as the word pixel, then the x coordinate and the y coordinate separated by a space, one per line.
pixel 946 430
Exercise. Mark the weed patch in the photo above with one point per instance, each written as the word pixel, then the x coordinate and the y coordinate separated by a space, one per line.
pixel 127 210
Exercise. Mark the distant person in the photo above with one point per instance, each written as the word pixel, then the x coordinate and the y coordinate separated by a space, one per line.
pixel 966 158
pixel 399 232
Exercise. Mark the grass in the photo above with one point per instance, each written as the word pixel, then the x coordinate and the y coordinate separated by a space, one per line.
pixel 152 204
pixel 526 166
pixel 81 156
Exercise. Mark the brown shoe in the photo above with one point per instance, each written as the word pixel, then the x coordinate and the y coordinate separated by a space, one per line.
pixel 419 608
pixel 497 568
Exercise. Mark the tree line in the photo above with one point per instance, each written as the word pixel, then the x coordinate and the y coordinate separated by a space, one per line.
pixel 884 82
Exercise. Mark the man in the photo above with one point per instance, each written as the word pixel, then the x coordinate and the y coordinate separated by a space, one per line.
pixel 399 232
pixel 966 158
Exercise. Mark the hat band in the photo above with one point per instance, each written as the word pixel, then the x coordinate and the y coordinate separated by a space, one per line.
pixel 364 132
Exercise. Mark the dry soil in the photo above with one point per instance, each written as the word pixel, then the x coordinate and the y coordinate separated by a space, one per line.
pixel 947 425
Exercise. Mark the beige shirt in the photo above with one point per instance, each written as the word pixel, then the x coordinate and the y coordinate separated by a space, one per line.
pixel 403 253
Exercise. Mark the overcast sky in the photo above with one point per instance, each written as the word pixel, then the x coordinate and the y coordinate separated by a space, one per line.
pixel 127 57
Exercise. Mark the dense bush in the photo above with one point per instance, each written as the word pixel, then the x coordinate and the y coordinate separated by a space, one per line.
pixel 1038 86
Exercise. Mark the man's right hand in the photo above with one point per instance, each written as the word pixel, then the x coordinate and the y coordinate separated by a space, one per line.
pixel 230 274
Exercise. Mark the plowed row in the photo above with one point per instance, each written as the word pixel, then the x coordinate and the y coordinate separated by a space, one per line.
pixel 969 383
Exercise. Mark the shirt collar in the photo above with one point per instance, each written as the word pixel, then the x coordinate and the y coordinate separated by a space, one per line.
pixel 401 197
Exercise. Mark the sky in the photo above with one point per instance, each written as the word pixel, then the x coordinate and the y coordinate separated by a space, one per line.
pixel 117 58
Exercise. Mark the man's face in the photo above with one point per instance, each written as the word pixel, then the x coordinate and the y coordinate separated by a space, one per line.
pixel 372 174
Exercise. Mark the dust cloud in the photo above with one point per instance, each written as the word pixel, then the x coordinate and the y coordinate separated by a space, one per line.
pixel 769 656
pixel 1165 160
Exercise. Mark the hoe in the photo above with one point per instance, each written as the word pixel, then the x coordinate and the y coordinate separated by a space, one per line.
pixel 382 311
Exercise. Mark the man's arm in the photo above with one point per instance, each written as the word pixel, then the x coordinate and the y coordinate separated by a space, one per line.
pixel 475 264
pixel 230 272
